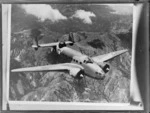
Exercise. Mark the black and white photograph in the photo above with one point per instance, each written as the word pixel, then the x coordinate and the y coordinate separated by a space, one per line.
pixel 71 52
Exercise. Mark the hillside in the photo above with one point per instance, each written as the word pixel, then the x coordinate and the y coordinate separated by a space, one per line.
pixel 108 32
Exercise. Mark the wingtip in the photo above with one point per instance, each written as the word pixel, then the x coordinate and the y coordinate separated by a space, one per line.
pixel 13 70
pixel 34 46
pixel 126 50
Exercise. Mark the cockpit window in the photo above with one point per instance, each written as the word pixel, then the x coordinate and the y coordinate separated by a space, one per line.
pixel 88 60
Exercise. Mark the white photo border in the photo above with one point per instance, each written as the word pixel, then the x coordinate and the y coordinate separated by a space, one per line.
pixel 25 105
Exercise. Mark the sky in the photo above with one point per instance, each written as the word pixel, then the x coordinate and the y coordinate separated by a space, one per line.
pixel 44 11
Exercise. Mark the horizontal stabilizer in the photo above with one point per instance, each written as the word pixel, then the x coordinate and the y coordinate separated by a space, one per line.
pixel 46 45
pixel 52 44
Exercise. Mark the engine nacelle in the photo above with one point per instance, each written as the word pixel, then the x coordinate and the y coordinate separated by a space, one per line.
pixel 77 73
pixel 58 49
pixel 63 44
pixel 105 67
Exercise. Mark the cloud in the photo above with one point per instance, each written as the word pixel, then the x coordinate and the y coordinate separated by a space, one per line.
pixel 84 15
pixel 43 12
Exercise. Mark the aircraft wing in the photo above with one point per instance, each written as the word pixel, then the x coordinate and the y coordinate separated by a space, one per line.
pixel 108 56
pixel 55 67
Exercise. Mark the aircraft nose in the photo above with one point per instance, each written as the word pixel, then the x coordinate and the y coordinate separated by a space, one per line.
pixel 100 75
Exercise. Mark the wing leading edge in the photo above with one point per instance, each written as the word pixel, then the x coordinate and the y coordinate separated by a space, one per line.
pixel 57 67
pixel 106 57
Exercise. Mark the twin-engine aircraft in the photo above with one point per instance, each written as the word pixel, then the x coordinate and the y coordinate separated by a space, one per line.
pixel 81 65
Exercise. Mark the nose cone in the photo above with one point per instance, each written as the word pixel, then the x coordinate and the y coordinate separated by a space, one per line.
pixel 95 71
pixel 100 75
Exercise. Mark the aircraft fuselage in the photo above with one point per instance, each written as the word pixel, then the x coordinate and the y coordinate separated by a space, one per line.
pixel 91 68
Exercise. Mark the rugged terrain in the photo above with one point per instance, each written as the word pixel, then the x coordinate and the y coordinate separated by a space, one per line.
pixel 108 32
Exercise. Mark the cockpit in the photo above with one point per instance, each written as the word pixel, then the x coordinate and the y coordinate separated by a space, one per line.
pixel 88 60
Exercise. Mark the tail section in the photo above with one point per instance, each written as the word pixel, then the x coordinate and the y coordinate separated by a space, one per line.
pixel 57 45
